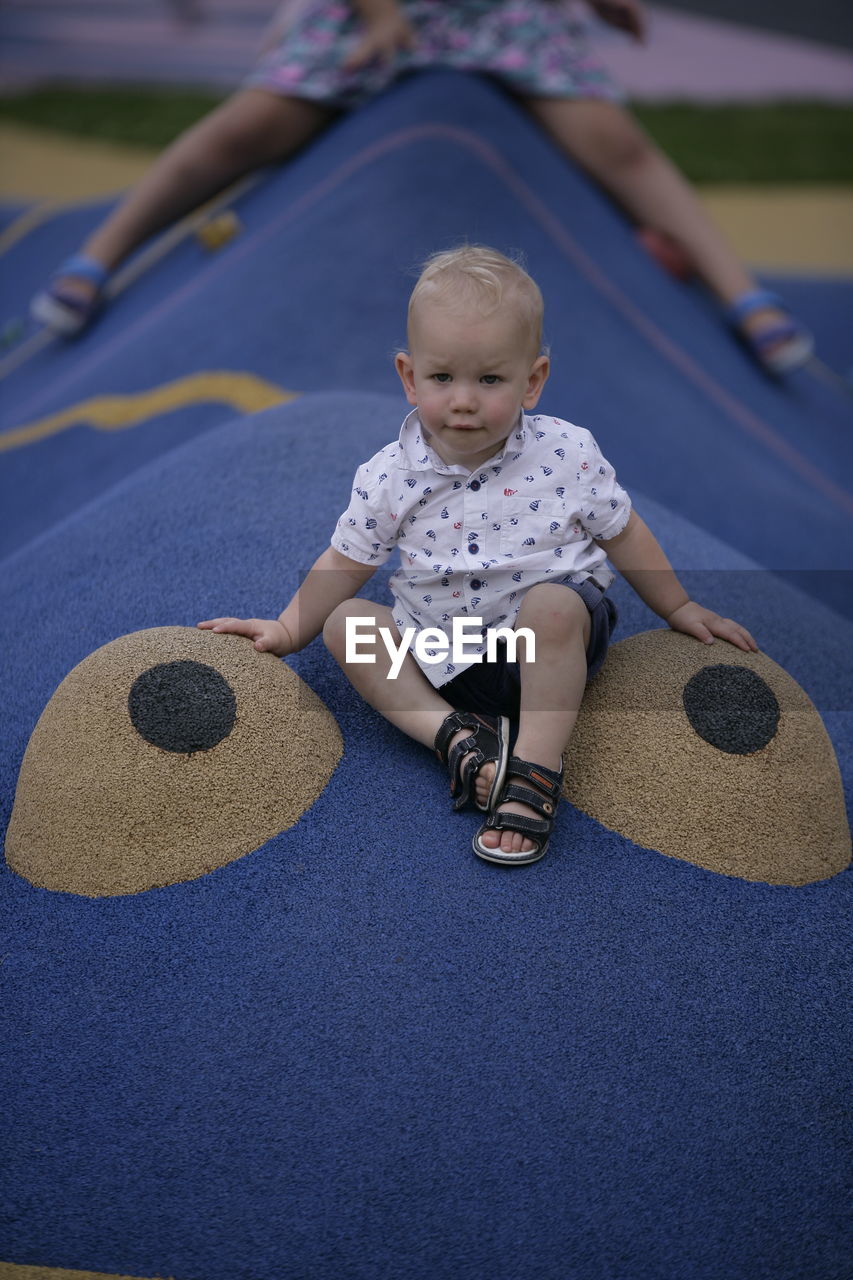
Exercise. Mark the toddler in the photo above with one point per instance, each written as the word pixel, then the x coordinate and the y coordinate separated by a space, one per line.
pixel 504 520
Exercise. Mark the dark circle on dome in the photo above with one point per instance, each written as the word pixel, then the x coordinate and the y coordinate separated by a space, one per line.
pixel 182 706
pixel 732 708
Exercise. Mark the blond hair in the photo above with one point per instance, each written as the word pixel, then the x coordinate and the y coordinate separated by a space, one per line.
pixel 475 275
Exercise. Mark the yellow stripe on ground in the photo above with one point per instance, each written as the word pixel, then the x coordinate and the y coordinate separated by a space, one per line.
pixel 11 1271
pixel 244 392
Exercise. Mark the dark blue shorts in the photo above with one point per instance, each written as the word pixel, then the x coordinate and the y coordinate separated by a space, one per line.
pixel 494 688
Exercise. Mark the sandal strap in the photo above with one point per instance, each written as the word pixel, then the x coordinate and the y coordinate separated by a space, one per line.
pixel 451 724
pixel 784 331
pixel 780 347
pixel 79 264
pixel 483 743
pixel 81 307
pixel 536 828
pixel 755 300
pixel 461 770
pixel 549 781
pixel 460 779
pixel 534 799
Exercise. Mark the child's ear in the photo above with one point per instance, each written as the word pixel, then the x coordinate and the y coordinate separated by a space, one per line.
pixel 536 380
pixel 403 365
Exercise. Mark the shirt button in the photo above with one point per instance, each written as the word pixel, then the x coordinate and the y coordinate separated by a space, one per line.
pixel 476 584
pixel 475 484
pixel 473 548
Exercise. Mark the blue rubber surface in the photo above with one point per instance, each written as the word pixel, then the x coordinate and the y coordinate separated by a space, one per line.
pixel 358 1051
pixel 312 296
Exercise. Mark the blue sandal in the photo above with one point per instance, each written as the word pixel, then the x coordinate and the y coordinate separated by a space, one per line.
pixel 781 347
pixel 66 313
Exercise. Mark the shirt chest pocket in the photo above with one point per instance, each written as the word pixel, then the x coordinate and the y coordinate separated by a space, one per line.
pixel 529 525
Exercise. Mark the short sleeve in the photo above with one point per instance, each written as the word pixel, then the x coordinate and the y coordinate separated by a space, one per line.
pixel 367 530
pixel 605 505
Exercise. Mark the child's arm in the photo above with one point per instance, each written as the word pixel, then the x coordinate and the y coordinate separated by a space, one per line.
pixel 332 579
pixel 386 29
pixel 638 556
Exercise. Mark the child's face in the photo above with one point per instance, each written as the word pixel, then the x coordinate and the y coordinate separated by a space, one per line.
pixel 470 376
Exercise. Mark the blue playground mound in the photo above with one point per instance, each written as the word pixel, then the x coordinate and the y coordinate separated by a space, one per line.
pixel 358 1051
pixel 311 296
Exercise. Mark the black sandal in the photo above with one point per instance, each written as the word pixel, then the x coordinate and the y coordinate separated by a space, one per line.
pixel 488 740
pixel 544 800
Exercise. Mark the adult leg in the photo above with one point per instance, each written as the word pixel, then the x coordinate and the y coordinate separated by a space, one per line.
pixel 609 143
pixel 251 128
pixel 552 687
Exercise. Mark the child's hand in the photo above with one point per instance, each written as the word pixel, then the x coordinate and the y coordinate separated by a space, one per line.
pixel 704 624
pixel 624 14
pixel 383 38
pixel 269 636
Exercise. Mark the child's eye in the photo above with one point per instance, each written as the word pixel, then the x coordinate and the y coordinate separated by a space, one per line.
pixel 441 377
pixel 490 379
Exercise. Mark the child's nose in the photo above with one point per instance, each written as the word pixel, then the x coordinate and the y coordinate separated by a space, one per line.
pixel 463 396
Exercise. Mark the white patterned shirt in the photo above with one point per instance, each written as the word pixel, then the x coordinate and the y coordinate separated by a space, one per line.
pixel 472 543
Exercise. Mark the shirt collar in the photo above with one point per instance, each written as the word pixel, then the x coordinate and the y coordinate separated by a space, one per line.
pixel 418 455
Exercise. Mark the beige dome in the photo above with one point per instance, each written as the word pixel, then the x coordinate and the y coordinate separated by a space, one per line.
pixel 678 748
pixel 163 755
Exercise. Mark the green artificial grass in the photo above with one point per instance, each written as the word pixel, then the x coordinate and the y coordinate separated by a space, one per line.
pixel 138 117
pixel 786 142
pixel 775 142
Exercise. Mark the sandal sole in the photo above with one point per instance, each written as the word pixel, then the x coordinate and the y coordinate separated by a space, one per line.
pixel 59 318
pixel 500 859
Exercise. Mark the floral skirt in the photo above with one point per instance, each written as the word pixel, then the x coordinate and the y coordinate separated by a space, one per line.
pixel 534 47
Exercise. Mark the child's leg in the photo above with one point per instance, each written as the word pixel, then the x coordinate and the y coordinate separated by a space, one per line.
pixel 409 701
pixel 606 140
pixel 552 687
pixel 251 128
